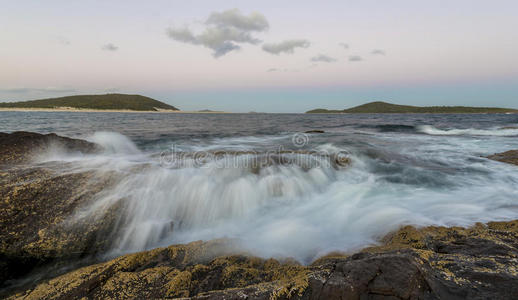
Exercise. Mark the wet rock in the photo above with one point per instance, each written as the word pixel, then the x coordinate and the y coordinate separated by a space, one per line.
pixel 36 202
pixel 20 146
pixel 428 263
pixel 315 131
pixel 510 157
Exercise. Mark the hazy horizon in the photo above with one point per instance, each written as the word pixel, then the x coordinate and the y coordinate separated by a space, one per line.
pixel 263 56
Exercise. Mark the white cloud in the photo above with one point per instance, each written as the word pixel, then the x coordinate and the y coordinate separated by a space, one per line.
pixel 355 58
pixel 378 52
pixel 287 46
pixel 109 47
pixel 223 31
pixel 234 18
pixel 182 35
pixel 323 58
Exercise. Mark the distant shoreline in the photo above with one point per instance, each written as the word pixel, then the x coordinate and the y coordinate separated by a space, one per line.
pixel 380 107
pixel 70 109
pixel 411 113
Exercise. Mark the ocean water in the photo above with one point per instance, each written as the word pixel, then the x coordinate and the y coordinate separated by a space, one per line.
pixel 259 179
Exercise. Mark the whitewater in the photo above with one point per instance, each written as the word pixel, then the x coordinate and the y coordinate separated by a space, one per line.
pixel 280 192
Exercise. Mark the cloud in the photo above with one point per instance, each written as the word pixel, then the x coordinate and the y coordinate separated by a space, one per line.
pixel 355 58
pixel 233 18
pixel 223 31
pixel 24 90
pixel 344 45
pixel 272 70
pixel 323 58
pixel 378 52
pixel 287 46
pixel 182 35
pixel 109 47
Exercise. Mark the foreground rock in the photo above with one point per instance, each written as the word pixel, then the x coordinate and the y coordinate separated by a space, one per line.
pixel 510 157
pixel 36 201
pixel 429 263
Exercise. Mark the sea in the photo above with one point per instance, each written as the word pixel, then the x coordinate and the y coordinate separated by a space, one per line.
pixel 285 185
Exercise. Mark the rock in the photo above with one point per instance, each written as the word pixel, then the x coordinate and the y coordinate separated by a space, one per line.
pixel 19 146
pixel 195 269
pixel 428 263
pixel 37 201
pixel 315 131
pixel 510 157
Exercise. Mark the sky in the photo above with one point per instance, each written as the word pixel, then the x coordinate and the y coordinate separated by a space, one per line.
pixel 264 56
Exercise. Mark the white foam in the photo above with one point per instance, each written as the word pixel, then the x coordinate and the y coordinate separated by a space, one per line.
pixel 470 131
pixel 114 143
pixel 285 210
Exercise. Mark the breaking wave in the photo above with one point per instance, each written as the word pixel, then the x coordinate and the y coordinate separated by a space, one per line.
pixel 290 209
pixel 504 131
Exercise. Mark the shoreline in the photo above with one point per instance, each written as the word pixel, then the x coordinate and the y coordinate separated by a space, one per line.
pixel 74 110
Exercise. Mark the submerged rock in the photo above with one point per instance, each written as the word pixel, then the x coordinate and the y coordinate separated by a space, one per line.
pixel 510 157
pixel 315 131
pixel 428 263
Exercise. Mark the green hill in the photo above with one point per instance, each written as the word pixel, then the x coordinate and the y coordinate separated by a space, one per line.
pixel 105 102
pixel 384 107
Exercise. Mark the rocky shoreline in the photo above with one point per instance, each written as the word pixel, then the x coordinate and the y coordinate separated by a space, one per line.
pixel 42 256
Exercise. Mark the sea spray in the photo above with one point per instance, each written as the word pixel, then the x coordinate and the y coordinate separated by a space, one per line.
pixel 289 209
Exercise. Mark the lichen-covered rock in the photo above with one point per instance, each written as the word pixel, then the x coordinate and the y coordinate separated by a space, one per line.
pixel 177 271
pixel 510 157
pixel 37 200
pixel 428 263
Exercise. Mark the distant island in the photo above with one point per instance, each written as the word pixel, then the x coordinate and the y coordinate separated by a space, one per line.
pixel 384 107
pixel 107 102
pixel 209 111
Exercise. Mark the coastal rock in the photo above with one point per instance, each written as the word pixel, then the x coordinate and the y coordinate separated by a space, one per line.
pixel 315 131
pixel 18 147
pixel 510 157
pixel 428 263
pixel 36 202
